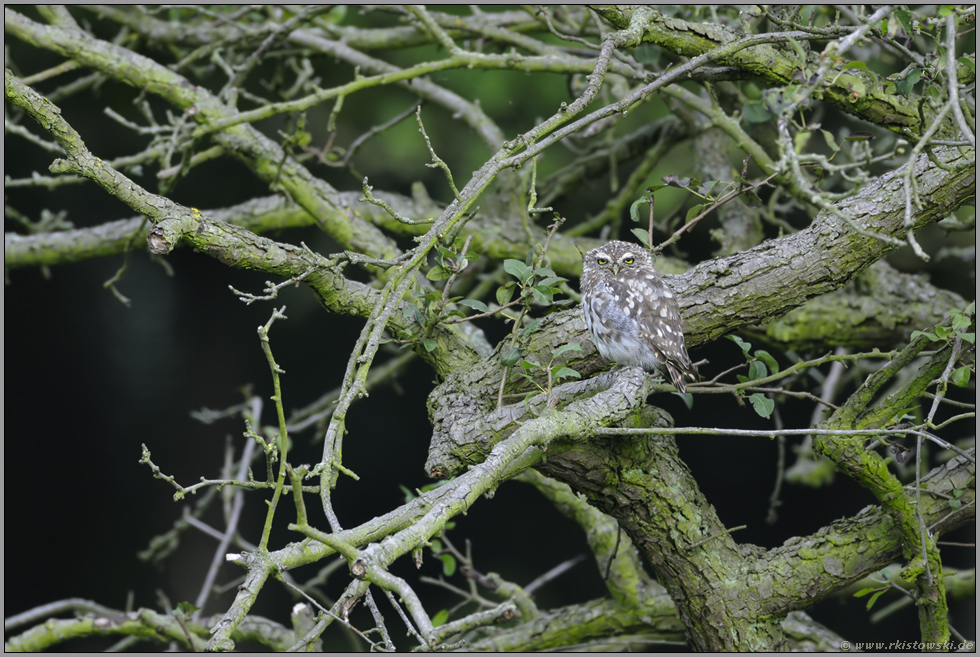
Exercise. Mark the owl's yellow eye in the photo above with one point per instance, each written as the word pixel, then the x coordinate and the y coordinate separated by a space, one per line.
pixel 601 261
pixel 627 261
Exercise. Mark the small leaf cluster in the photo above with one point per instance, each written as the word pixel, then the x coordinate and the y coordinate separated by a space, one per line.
pixel 512 356
pixel 761 365
pixel 875 591
pixel 905 24
pixel 537 284
pixel 449 262
pixel 428 307
pixel 961 322
pixel 531 370
pixel 711 192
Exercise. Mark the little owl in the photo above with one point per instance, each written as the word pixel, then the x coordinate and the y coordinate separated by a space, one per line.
pixel 632 314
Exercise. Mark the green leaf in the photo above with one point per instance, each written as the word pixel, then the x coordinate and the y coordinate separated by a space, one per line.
pixel 429 344
pixel 635 207
pixel 694 211
pixel 565 373
pixel 960 321
pixel 969 337
pixel 751 199
pixel 829 138
pixel 767 358
pixel 517 269
pixel 931 336
pixel 302 138
pixel 855 85
pixel 448 564
pixel 440 618
pixel 757 370
pixel 511 357
pixel 904 17
pixel 743 345
pixel 756 112
pixel 643 235
pixel 864 592
pixel 567 347
pixel 961 377
pixel 905 85
pixel 708 187
pixel 543 294
pixel 551 280
pixel 185 608
pixel 475 305
pixel 409 495
pixel 438 273
pixel 762 404
pixel 505 293
pixel 873 599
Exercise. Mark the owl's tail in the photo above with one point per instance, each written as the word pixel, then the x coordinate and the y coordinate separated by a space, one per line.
pixel 680 373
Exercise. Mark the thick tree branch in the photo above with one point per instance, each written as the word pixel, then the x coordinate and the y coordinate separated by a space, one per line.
pixel 644 485
pixel 228 243
pixel 858 92
pixel 266 158
pixel 879 308
pixel 751 288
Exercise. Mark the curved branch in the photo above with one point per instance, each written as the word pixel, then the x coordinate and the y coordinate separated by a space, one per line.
pixel 858 92
pixel 262 155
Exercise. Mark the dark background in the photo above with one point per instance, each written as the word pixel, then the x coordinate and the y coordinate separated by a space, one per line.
pixel 89 380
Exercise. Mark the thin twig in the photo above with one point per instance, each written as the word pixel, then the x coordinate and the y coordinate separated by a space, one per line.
pixel 952 81
pixel 717 204
pixel 437 162
pixel 718 535
pixel 360 141
pixel 369 197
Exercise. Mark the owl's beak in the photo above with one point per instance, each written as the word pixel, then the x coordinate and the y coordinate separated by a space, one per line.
pixel 615 269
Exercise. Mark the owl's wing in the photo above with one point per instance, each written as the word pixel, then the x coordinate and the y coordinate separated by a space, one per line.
pixel 662 327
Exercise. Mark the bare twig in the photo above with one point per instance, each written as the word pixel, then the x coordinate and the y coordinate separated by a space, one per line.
pixel 437 162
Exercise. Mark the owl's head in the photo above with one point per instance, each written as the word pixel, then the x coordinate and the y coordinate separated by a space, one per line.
pixel 616 257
